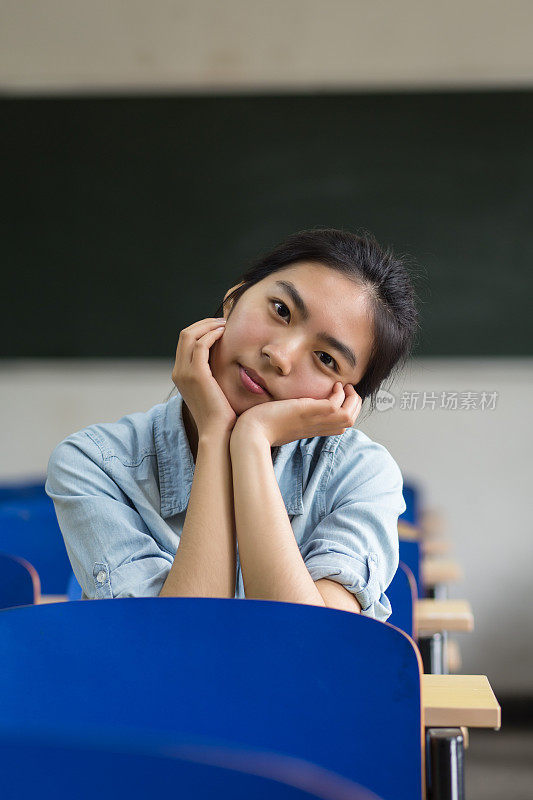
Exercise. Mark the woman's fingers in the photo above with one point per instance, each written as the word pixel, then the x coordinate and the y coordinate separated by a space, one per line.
pixel 206 341
pixel 193 377
pixel 189 336
pixel 337 395
pixel 347 401
pixel 198 329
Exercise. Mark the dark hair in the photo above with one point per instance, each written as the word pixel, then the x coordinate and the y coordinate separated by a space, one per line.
pixel 379 272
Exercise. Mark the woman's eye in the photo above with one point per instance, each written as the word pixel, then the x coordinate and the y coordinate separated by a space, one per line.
pixel 279 303
pixel 333 363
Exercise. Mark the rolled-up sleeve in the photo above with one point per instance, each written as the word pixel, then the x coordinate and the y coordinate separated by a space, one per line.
pixel 356 542
pixel 112 551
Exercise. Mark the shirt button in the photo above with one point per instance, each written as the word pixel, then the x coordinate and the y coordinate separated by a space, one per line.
pixel 101 576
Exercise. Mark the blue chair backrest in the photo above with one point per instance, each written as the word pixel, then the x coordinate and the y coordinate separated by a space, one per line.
pixel 22 490
pixel 137 770
pixel 334 688
pixel 19 582
pixel 402 595
pixel 29 529
pixel 410 556
pixel 74 590
pixel 411 495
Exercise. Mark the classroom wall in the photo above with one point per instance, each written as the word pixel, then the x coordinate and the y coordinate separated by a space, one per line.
pixel 473 465
pixel 60 45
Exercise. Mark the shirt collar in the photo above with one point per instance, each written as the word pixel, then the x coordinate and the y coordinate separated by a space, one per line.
pixel 176 464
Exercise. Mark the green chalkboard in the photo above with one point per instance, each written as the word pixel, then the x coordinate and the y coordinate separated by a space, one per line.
pixel 124 219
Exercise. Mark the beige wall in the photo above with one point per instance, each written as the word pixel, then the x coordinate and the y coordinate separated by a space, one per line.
pixel 200 45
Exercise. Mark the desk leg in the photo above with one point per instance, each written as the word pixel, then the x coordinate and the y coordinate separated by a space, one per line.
pixel 445 778
pixel 438 592
pixel 433 650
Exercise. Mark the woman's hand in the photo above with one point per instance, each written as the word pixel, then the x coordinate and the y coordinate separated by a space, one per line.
pixel 283 421
pixel 194 380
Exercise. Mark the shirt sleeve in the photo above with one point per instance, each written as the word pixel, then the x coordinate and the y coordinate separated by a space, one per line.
pixel 356 542
pixel 112 551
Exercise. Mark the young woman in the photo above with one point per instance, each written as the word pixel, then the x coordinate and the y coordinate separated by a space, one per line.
pixel 253 481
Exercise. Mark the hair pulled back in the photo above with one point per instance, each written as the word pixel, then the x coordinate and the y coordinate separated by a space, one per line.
pixel 379 272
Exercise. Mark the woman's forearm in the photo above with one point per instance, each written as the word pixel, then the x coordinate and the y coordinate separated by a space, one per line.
pixel 205 561
pixel 271 563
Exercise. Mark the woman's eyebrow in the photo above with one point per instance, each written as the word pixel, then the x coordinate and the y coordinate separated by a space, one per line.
pixel 334 343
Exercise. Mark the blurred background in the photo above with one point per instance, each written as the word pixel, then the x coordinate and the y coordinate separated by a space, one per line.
pixel 152 150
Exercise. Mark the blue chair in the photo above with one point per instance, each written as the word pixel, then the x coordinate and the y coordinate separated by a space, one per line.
pixel 410 555
pixel 339 690
pixel 19 582
pixel 74 590
pixel 432 647
pixel 411 495
pixel 137 769
pixel 22 490
pixel 402 595
pixel 29 529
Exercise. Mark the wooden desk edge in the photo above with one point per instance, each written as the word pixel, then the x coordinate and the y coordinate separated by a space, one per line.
pixel 444 707
pixel 434 616
pixel 436 570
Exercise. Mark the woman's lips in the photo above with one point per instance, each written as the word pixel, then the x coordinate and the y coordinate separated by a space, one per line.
pixel 249 384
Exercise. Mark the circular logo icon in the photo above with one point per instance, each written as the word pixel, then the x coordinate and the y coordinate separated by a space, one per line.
pixel 384 400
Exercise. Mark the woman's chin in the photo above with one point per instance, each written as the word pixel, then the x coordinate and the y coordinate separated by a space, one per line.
pixel 238 397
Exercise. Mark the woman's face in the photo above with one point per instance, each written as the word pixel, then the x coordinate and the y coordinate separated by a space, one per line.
pixel 268 333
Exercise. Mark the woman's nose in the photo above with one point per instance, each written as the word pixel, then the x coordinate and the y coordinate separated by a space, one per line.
pixel 279 360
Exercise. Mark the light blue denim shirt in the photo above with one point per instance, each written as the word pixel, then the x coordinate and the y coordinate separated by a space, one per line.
pixel 121 492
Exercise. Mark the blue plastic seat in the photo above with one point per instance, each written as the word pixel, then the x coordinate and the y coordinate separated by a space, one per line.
pixel 402 595
pixel 29 529
pixel 432 647
pixel 138 770
pixel 411 495
pixel 337 689
pixel 19 582
pixel 14 491
pixel 74 590
pixel 410 554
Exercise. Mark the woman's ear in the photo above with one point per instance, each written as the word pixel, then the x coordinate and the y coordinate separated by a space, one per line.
pixel 227 306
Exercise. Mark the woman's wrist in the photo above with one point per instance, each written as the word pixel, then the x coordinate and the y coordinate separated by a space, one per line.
pixel 248 432
pixel 214 435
